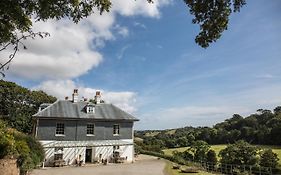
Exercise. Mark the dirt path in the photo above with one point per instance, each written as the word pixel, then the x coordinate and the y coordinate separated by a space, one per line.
pixel 144 165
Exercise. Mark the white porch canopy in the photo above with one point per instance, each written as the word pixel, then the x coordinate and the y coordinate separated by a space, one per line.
pixel 92 143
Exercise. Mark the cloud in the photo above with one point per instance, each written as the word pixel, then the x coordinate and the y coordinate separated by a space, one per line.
pixel 72 49
pixel 122 51
pixel 174 117
pixel 141 25
pixel 126 100
pixel 266 76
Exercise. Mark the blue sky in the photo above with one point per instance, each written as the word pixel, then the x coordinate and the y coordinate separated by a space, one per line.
pixel 146 62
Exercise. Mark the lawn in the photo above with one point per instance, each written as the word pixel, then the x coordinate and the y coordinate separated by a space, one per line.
pixel 217 148
pixel 170 171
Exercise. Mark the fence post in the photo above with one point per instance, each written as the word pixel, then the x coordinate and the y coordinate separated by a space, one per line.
pixel 260 170
pixel 250 169
pixel 231 172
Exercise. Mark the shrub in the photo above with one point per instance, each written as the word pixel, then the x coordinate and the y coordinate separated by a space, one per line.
pixel 269 159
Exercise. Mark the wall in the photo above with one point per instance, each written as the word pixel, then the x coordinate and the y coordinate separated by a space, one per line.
pixel 77 129
pixel 8 167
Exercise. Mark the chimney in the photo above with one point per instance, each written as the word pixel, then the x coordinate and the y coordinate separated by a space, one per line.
pixel 75 96
pixel 98 97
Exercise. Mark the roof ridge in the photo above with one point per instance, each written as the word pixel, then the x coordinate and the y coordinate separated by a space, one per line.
pixel 51 104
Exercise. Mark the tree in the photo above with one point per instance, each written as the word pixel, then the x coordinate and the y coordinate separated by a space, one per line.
pixel 14 144
pixel 269 159
pixel 199 149
pixel 16 18
pixel 212 159
pixel 239 153
pixel 18 104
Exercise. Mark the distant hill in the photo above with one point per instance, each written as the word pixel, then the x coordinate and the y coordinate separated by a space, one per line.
pixel 262 127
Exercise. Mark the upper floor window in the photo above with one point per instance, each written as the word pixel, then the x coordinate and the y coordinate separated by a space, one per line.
pixel 90 109
pixel 60 129
pixel 90 129
pixel 116 129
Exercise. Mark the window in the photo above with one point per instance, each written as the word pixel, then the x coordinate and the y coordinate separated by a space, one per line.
pixel 90 109
pixel 58 156
pixel 116 129
pixel 90 129
pixel 58 153
pixel 116 147
pixel 60 129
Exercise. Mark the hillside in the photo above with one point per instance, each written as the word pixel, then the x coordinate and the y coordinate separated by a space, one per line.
pixel 260 128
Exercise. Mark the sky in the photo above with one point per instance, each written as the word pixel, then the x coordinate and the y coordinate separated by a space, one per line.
pixel 144 60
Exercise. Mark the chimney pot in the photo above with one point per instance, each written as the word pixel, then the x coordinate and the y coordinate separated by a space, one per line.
pixel 75 96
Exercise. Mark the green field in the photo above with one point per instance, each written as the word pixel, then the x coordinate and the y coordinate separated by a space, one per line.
pixel 217 148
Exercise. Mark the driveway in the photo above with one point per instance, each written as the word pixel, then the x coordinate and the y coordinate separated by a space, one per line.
pixel 144 165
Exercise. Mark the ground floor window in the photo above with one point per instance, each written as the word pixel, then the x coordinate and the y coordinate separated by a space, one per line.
pixel 58 153
pixel 58 157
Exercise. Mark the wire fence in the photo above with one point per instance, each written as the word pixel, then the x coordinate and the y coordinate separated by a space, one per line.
pixel 233 169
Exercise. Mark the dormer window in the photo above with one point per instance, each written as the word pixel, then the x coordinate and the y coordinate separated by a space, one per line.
pixel 90 109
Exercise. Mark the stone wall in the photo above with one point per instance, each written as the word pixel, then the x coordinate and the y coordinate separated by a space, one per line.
pixel 8 167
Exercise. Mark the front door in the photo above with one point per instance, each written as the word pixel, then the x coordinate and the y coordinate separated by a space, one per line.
pixel 88 155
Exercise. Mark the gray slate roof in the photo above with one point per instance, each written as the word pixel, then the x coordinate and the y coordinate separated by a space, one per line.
pixel 68 109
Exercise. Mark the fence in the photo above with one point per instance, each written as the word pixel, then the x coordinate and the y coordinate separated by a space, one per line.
pixel 233 169
pixel 230 169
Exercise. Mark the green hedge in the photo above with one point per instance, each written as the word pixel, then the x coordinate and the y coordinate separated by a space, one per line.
pixel 175 159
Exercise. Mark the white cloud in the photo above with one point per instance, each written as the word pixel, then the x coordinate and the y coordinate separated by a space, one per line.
pixel 122 51
pixel 174 117
pixel 141 25
pixel 126 100
pixel 71 50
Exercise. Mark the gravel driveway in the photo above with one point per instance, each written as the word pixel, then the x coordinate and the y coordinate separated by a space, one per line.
pixel 144 165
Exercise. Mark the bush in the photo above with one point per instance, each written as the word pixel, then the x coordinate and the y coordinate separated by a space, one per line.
pixel 269 159
pixel 27 150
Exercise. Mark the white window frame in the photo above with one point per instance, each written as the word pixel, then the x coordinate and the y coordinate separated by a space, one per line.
pixel 116 131
pixel 58 153
pixel 57 133
pixel 93 129
pixel 90 109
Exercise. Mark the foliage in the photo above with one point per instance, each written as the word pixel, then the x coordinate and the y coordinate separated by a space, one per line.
pixel 212 156
pixel 18 104
pixel 213 17
pixel 199 150
pixel 14 144
pixel 239 153
pixel 261 128
pixel 269 159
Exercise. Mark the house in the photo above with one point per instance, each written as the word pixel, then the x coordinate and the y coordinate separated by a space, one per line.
pixel 92 131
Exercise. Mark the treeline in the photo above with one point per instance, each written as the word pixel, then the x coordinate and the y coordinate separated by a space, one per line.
pixel 18 104
pixel 263 127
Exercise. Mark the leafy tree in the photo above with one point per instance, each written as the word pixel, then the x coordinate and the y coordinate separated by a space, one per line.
pixel 16 18
pixel 239 153
pixel 199 149
pixel 18 104
pixel 269 159
pixel 14 144
pixel 212 156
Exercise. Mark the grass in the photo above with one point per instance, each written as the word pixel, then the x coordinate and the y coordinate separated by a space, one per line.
pixel 170 171
pixel 217 148
pixel 152 134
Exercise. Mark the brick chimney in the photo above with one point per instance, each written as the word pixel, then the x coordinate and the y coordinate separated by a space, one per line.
pixel 98 97
pixel 75 96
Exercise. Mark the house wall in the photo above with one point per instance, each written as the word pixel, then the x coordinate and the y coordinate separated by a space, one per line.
pixel 70 154
pixel 76 130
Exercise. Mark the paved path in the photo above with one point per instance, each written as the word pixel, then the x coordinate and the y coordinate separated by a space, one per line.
pixel 144 165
